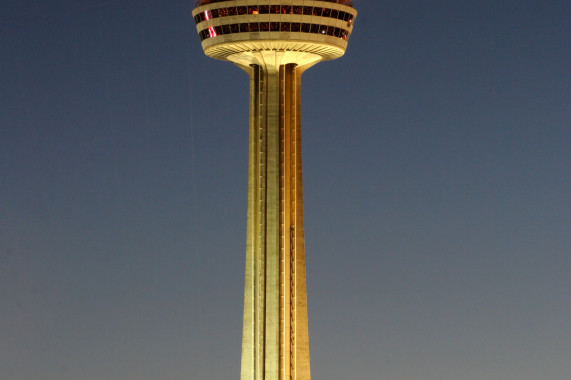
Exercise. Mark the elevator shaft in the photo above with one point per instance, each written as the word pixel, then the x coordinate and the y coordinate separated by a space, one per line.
pixel 275 343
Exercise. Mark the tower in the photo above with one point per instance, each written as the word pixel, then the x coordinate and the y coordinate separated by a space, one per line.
pixel 275 41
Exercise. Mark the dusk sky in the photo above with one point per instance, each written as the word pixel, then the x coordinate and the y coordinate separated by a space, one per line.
pixel 437 190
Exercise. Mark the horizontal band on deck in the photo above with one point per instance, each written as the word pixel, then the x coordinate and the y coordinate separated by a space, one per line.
pixel 287 27
pixel 244 10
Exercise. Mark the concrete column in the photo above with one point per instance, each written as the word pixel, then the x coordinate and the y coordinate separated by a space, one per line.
pixel 275 342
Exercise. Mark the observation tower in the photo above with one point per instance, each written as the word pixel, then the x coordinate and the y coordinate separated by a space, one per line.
pixel 275 41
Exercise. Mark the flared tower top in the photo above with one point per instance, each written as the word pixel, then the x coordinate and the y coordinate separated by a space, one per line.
pixel 299 31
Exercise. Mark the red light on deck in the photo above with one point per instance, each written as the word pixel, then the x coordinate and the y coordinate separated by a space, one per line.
pixel 211 30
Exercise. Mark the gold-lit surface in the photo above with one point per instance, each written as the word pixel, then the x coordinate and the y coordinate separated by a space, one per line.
pixel 248 53
pixel 275 333
pixel 275 342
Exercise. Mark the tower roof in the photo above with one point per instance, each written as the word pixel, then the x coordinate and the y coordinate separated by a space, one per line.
pixel 343 2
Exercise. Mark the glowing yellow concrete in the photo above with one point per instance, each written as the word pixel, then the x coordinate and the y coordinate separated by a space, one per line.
pixel 275 343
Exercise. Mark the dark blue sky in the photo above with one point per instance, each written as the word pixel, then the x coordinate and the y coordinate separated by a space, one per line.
pixel 437 175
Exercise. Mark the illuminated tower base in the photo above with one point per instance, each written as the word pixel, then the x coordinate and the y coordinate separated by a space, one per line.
pixel 275 42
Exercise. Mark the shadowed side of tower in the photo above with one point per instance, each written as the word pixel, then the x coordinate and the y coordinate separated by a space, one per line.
pixel 275 42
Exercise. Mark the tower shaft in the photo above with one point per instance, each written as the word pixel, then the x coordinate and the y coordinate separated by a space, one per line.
pixel 275 343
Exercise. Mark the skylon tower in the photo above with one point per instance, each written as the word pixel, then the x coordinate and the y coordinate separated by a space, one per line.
pixel 275 41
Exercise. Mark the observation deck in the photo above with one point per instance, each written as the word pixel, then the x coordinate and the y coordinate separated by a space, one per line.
pixel 300 31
